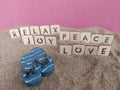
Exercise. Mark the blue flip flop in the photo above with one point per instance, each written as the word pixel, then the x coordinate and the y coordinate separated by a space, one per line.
pixel 43 60
pixel 36 65
pixel 30 74
pixel 48 68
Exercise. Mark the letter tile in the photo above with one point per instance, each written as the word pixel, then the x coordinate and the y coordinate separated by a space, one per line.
pixel 75 36
pixel 78 49
pixel 55 29
pixel 34 30
pixel 86 37
pixel 24 31
pixel 91 50
pixel 108 39
pixel 27 40
pixel 51 41
pixel 104 50
pixel 65 49
pixel 14 33
pixel 45 30
pixel 39 40
pixel 64 35
pixel 96 38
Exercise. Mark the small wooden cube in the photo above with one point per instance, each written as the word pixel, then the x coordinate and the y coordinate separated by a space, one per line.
pixel 86 37
pixel 78 49
pixel 45 30
pixel 14 33
pixel 27 40
pixel 34 30
pixel 65 49
pixel 96 38
pixel 24 31
pixel 104 50
pixel 64 35
pixel 108 39
pixel 39 40
pixel 55 29
pixel 91 50
pixel 75 36
pixel 51 40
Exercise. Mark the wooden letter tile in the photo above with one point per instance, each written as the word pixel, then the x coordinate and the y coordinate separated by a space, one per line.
pixel 64 35
pixel 78 49
pixel 91 50
pixel 27 40
pixel 65 49
pixel 55 29
pixel 75 36
pixel 96 38
pixel 39 40
pixel 24 31
pixel 45 30
pixel 51 41
pixel 107 39
pixel 14 33
pixel 34 30
pixel 86 37
pixel 104 50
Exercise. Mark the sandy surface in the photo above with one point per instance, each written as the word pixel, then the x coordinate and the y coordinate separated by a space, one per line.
pixel 72 72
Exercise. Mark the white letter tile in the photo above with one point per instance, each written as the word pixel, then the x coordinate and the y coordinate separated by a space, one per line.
pixel 14 33
pixel 24 31
pixel 75 36
pixel 86 37
pixel 27 40
pixel 51 41
pixel 39 40
pixel 91 50
pixel 107 39
pixel 65 49
pixel 64 35
pixel 78 49
pixel 34 30
pixel 55 29
pixel 45 30
pixel 104 50
pixel 96 38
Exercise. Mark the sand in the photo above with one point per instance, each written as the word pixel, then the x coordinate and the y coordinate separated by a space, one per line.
pixel 72 72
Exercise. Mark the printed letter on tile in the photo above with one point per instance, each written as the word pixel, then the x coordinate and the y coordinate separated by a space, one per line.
pixel 78 49
pixel 51 40
pixel 107 39
pixel 55 29
pixel 75 36
pixel 24 31
pixel 45 30
pixel 86 37
pixel 27 40
pixel 14 33
pixel 65 49
pixel 64 35
pixel 104 50
pixel 91 50
pixel 96 38
pixel 34 30
pixel 39 40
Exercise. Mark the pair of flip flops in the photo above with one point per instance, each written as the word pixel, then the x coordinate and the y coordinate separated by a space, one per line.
pixel 36 65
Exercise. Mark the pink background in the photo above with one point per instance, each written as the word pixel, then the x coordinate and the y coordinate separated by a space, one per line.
pixel 70 13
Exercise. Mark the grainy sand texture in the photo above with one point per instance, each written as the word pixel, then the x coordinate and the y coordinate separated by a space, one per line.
pixel 72 72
